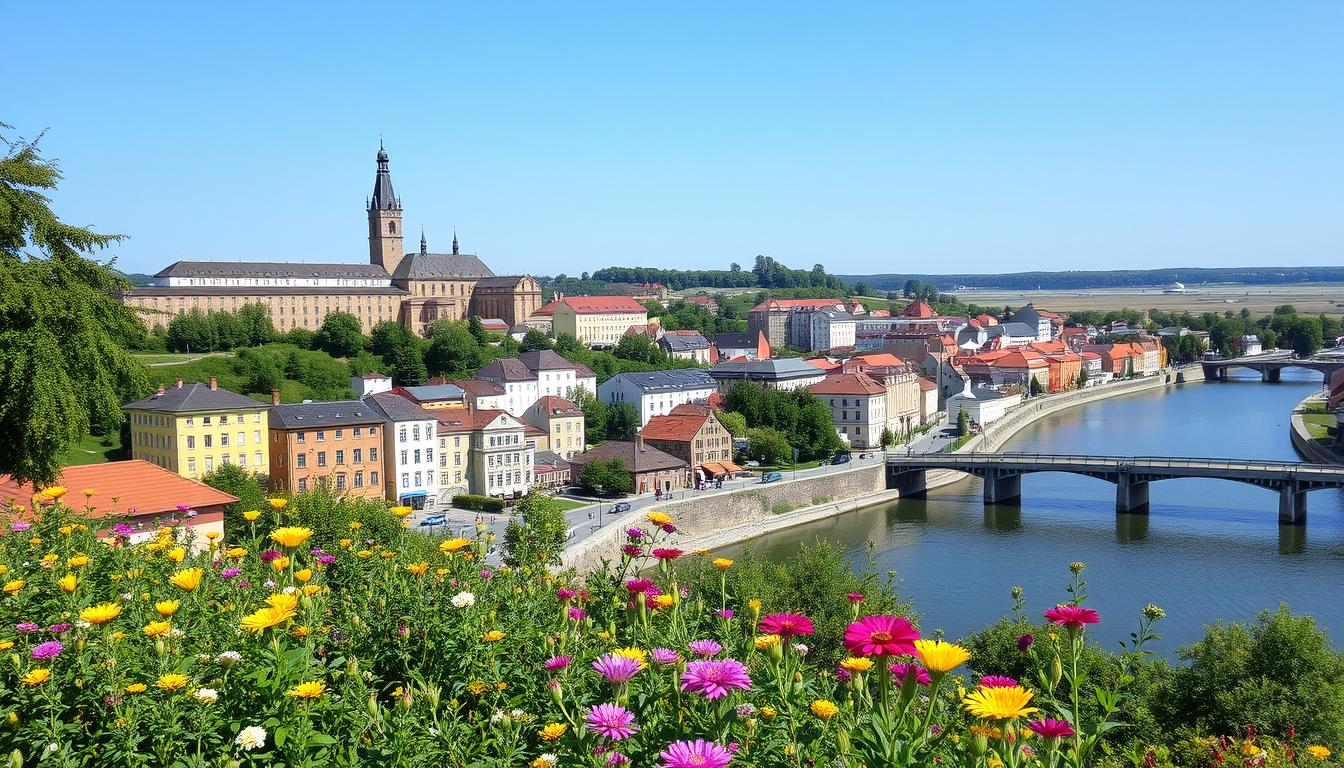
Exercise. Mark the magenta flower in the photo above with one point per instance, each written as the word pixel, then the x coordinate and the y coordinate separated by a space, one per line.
pixel 556 663
pixel 726 613
pixel 20 527
pixel 881 636
pixel 617 669
pixel 636 586
pixel 695 754
pixel 326 559
pixel 854 597
pixel 270 555
pixel 1051 729
pixel 665 656
pixel 667 553
pixel 786 624
pixel 612 721
pixel 1024 642
pixel 843 675
pixel 122 530
pixel 635 533
pixel 631 550
pixel 487 575
pixel 229 573
pixel 1071 616
pixel 57 629
pixel 577 614
pixel 565 593
pixel 705 648
pixel 48 650
pixel 26 627
pixel 617 759
pixel 669 528
pixel 901 672
pixel 715 678
pixel 997 681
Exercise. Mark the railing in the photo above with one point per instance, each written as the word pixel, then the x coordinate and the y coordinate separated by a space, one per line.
pixel 1097 460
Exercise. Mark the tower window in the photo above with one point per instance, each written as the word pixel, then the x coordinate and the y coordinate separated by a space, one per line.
pixel 392 226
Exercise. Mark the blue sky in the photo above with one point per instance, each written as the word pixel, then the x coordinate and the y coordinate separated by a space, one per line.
pixel 882 137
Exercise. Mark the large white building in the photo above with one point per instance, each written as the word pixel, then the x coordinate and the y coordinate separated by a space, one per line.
pixel 534 375
pixel 858 407
pixel 501 461
pixel 831 329
pixel 655 393
pixel 598 321
pixel 409 439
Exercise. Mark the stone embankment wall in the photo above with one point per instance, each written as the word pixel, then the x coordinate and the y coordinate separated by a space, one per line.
pixel 1306 447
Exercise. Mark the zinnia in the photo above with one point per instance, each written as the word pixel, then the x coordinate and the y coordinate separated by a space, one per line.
pixel 616 668
pixel 695 754
pixel 186 579
pixel 705 648
pixel 715 678
pixel 250 738
pixel 786 624
pixel 612 721
pixel 556 663
pixel 1051 729
pixel 940 657
pixel 999 703
pixel 900 673
pixel 101 613
pixel 881 636
pixel 1071 616
pixel 998 681
pixel 48 650
pixel 667 553
pixel 667 656
pixel 552 731
pixel 824 709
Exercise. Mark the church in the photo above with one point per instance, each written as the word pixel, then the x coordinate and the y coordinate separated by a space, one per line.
pixel 415 288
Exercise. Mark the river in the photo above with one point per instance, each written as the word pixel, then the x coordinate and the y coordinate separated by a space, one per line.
pixel 1208 549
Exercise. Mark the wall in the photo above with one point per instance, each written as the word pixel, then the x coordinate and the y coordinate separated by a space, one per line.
pixel 1306 447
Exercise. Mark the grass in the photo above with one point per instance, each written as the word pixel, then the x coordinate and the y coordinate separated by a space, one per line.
pixel 92 449
pixel 568 504
pixel 1318 425
pixel 176 358
pixel 789 467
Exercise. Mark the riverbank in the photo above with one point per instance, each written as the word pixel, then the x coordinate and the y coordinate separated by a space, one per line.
pixel 712 522
pixel 1305 445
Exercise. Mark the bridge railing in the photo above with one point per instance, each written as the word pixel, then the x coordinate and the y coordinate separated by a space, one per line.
pixel 1145 462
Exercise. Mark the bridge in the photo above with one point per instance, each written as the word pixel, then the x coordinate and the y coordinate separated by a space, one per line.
pixel 1002 473
pixel 1270 368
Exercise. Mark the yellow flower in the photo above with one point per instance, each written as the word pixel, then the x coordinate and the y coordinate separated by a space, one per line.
pixel 177 554
pixel 1317 751
pixel 311 589
pixel 282 601
pixel 638 654
pixel 277 503
pixel 157 628
pixel 401 511
pixel 136 688
pixel 857 664
pixel 663 601
pixel 768 713
pixel 824 709
pixel 88 492
pixel 251 515
pixel 658 518
pixel 999 703
pixel 477 687
pixel 167 607
pixel 78 561
pixel 101 613
pixel 187 579
pixel 5 645
pixel 48 559
pixel 552 731
pixel 493 636
pixel 66 530
pixel 171 682
pixel 452 545
pixel 303 574
pixel 723 563
pixel 754 604
pixel 364 553
pixel 237 553
pixel 36 677
pixel 54 492
pixel 280 610
pixel 135 573
pixel 13 587
pixel 280 563
pixel 418 569
pixel 301 631
pixel 355 525
pixel 604 635
pixel 212 535
pixel 309 690
pixel 387 554
pixel 345 543
pixel 995 761
pixel 290 536
pixel 940 657
pixel 766 642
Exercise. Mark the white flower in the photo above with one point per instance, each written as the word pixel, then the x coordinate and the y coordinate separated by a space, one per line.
pixel 50 748
pixel 270 584
pixel 175 632
pixel 463 600
pixel 207 695
pixel 250 738
pixel 126 597
pixel 289 590
pixel 203 657
pixel 801 648
pixel 229 658
pixel 547 759
pixel 498 716
pixel 82 624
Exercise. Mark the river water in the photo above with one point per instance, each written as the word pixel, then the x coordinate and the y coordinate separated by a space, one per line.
pixel 1208 549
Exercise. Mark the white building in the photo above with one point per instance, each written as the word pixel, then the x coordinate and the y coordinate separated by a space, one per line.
pixel 370 384
pixel 1251 345
pixel 655 393
pixel 982 406
pixel 501 462
pixel 831 329
pixel 533 375
pixel 858 407
pixel 409 440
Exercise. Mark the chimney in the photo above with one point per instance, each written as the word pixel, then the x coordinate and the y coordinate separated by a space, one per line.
pixel 179 382
pixel 213 384
pixel 160 392
pixel 275 397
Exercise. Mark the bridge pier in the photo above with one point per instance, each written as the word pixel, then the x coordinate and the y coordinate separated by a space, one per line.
pixel 1131 496
pixel 1292 505
pixel 1271 374
pixel 1002 487
pixel 911 485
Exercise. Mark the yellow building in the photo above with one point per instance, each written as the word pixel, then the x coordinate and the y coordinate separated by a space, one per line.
pixel 193 428
pixel 563 423
pixel 598 321
pixel 454 433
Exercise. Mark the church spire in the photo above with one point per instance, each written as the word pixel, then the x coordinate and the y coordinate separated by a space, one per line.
pixel 424 244
pixel 384 199
pixel 454 241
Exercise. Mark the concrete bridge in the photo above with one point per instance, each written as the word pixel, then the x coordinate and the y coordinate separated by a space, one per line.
pixel 1270 367
pixel 1002 473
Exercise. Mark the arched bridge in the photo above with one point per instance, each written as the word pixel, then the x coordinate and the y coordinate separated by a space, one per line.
pixel 1002 473
pixel 1270 368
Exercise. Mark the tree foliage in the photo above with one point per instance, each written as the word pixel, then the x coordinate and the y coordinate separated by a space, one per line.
pixel 533 340
pixel 594 414
pixel 249 488
pixel 341 335
pixel 402 350
pixel 639 348
pixel 538 535
pixel 769 446
pixel 453 351
pixel 622 421
pixel 606 478
pixel 734 422
pixel 798 414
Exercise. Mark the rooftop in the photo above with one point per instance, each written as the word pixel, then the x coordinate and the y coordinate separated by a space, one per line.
pixel 396 408
pixel 668 381
pixel 785 305
pixel 136 488
pixel 273 269
pixel 439 266
pixel 192 397
pixel 675 427
pixel 596 305
pixel 432 392
pixel 332 413
pixel 781 368
pixel 637 457
pixel 852 383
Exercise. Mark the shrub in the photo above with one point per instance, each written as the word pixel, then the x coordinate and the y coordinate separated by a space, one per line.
pixel 478 502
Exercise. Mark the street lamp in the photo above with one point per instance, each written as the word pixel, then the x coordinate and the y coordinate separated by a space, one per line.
pixel 795 462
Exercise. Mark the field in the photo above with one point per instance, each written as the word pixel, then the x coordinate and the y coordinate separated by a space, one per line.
pixel 1313 298
pixel 176 358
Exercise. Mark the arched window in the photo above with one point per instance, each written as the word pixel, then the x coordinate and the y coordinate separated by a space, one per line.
pixel 392 227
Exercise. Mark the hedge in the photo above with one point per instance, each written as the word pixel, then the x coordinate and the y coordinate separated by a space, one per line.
pixel 478 503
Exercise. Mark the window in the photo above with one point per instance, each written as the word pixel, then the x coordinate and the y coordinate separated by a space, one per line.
pixel 340 482
pixel 303 483
pixel 242 459
pixel 373 431
pixel 373 478
pixel 340 433
pixel 392 227
pixel 417 455
pixel 358 432
pixel 209 463
pixel 457 441
pixel 208 443
pixel 401 435
pixel 359 479
pixel 340 457
pixel 190 421
pixel 457 477
pixel 191 442
pixel 256 437
pixel 301 461
pixel 256 458
pixel 224 459
pixel 224 419
pixel 359 455
pixel 405 479
pixel 429 455
pixel 321 436
pixel 303 438
pixel 191 465
pixel 373 454
pixel 256 417
pixel 242 439
pixel 321 458
pixel 403 455
pixel 205 421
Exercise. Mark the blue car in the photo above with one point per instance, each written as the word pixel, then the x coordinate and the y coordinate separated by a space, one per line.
pixel 840 458
pixel 772 477
pixel 435 520
pixel 621 506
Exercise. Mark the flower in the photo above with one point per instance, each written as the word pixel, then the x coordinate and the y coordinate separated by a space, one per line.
pixel 417 569
pixel 637 586
pixel 186 579
pixel 5 645
pixel 723 564
pixel 452 545
pixel 250 738
pixel 136 688
pixel 612 721
pixel 715 678
pixel 556 663
pixel 998 703
pixel 101 613
pixel 171 681
pixel 206 695
pixel 1317 751
pixel 766 642
pixel 824 709
pixel 265 618
pixel 1024 642
pixel 545 760
pixel 463 600
pixel 493 636
pixel 617 668
pixel 786 624
pixel 177 554
pixel 663 601
pixel 856 664
pixel 167 607
pixel 726 613
pixel 1071 616
pixel 229 658
pixel 667 656
pixel 291 536
pixel 658 518
pixel 695 754
pixel 36 677
pixel 277 503
pixel 637 654
pixel 312 689
pixel 13 587
pixel 998 681
pixel 565 594
pixel 552 731
pixel 157 628
pixel 1051 729
pixel 630 550
pixel 667 553
pixel 881 636
pixel 705 648
pixel 854 597
pixel 902 672
pixel 401 511
pixel 251 515
pixel 940 657
pixel 68 582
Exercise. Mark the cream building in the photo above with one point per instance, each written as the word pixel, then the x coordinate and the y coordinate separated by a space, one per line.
pixel 598 321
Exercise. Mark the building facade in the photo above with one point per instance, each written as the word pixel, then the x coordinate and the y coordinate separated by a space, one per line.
pixel 562 421
pixel 409 441
pixel 654 393
pixel 501 461
pixel 598 321
pixel 693 435
pixel 858 405
pixel 338 444
pixel 192 428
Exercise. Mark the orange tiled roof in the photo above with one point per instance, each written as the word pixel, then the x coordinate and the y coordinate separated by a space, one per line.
pixel 769 304
pixel 822 363
pixel 554 405
pixel 878 358
pixel 918 309
pixel 133 487
pixel 547 309
pixel 854 383
pixel 674 427
pixel 594 305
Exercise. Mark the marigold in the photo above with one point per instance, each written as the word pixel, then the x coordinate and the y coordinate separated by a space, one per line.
pixel 280 563
pixel 401 511
pixel 658 518
pixel 766 642
pixel 36 677
pixel 68 582
pixel 157 628
pixel 452 545
pixel 999 703
pixel 418 569
pixel 251 515
pixel 177 554
pixel 311 589
pixel 355 525
pixel 301 631
pixel 309 690
pixel 101 613
pixel 303 574
pixel 265 618
pixel 940 657
pixel 283 601
pixel 5 645
pixel 768 713
pixel 171 681
pixel 136 688
pixel 167 607
pixel 824 709
pixel 1317 751
pixel 493 636
pixel 54 492
pixel 13 587
pixel 236 553
pixel 291 536
pixel 477 687
pixel 364 553
pixel 854 664
pixel 663 601
pixel 187 579
pixel 552 731
pixel 723 563
pixel 277 503
pixel 77 561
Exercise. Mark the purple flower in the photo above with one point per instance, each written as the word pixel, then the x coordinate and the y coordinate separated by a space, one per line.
pixel 57 629
pixel 669 528
pixel 612 721
pixel 617 759
pixel 901 672
pixel 48 650
pixel 726 613
pixel 617 669
pixel 557 663
pixel 695 754
pixel 122 530
pixel 665 656
pixel 565 593
pixel 229 573
pixel 715 678
pixel 635 533
pixel 326 559
pixel 705 648
pixel 26 627
pixel 20 527
pixel 487 575
pixel 183 507
pixel 637 586
pixel 244 583
pixel 1024 642
pixel 269 555
pixel 842 674
pixel 317 552
pixel 577 614
pixel 997 681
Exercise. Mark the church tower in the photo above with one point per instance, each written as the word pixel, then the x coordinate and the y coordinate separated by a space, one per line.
pixel 384 210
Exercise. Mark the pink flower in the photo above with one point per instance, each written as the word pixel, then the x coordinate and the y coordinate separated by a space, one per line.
pixel 20 527
pixel 901 672
pixel 617 759
pixel 1024 642
pixel 612 721
pixel 270 555
pixel 881 636
pixel 667 553
pixel 637 586
pixel 998 681
pixel 843 675
pixel 714 678
pixel 854 597
pixel 617 669
pixel 631 550
pixel 565 593
pixel 786 624
pixel 726 613
pixel 556 663
pixel 705 648
pixel 635 533
pixel 695 754
pixel 669 528
pixel 57 629
pixel 1072 616
pixel 122 530
pixel 1051 729
pixel 48 650
pixel 665 656
pixel 26 627
pixel 577 614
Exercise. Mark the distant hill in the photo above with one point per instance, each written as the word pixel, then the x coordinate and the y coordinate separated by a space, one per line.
pixel 138 278
pixel 1117 278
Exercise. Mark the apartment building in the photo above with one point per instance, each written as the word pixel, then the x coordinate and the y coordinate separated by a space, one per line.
pixel 192 428
pixel 409 441
pixel 598 321
pixel 337 443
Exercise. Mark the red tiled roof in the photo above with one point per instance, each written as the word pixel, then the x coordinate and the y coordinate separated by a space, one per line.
pixel 877 358
pixel 822 363
pixel 547 309
pixel 854 383
pixel 787 304
pixel 881 313
pixel 594 305
pixel 133 487
pixel 918 309
pixel 554 405
pixel 690 332
pixel 986 320
pixel 1091 356
pixel 925 384
pixel 674 427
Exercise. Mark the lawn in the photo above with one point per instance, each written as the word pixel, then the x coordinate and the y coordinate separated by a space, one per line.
pixel 790 467
pixel 93 449
pixel 568 504
pixel 177 358
pixel 1318 425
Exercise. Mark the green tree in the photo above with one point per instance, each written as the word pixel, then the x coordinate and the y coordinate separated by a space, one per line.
pixel 605 478
pixel 768 446
pixel 61 368
pixel 566 345
pixel 619 479
pixel 341 335
pixel 888 438
pixel 539 534
pixel 533 340
pixel 453 351
pixel 594 414
pixel 477 329
pixel 1036 387
pixel 255 318
pixel 639 348
pixel 622 421
pixel 735 423
pixel 249 488
pixel 402 350
pixel 963 423
pixel 190 332
pixel 301 338
pixel 264 371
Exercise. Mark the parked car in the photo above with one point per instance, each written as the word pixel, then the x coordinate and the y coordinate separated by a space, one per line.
pixel 840 458
pixel 435 520
pixel 772 477
pixel 620 506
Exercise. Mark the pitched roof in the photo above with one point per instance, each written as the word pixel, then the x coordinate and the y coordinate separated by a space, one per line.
pixel 331 413
pixel 918 308
pixel 500 281
pixel 795 304
pixel 1014 329
pixel 684 341
pixel 506 369
pixel 595 305
pixel 283 269
pixel 706 407
pixel 431 392
pixel 554 405
pixel 547 360
pixel 548 461
pixel 138 487
pixel 823 364
pixel 193 396
pixel 667 381
pixel 852 383
pixel 736 340
pixel 546 309
pixel 877 358
pixel 675 427
pixel 479 387
pixel 396 408
pixel 925 384
pixel 494 323
pixel 638 457
pixel 438 266
pixel 782 368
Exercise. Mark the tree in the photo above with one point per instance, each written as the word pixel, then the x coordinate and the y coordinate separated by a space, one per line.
pixel 249 488
pixel 963 423
pixel 453 351
pixel 477 329
pixel 258 328
pixel 539 536
pixel 622 421
pixel 1036 387
pixel 735 423
pixel 888 438
pixel 533 340
pixel 768 446
pixel 605 478
pixel 341 335
pixel 594 414
pixel 190 331
pixel 863 289
pixel 402 351
pixel 61 368
pixel 567 345
pixel 639 348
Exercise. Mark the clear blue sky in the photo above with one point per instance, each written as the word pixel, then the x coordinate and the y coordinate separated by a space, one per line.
pixel 558 137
